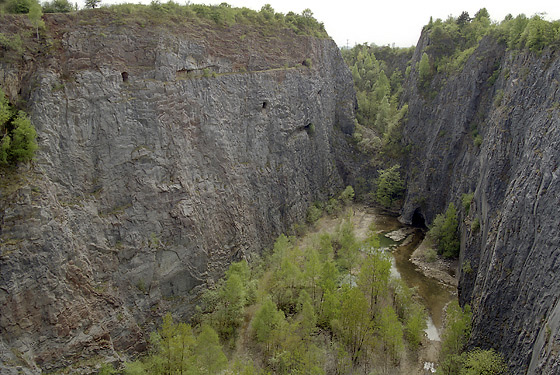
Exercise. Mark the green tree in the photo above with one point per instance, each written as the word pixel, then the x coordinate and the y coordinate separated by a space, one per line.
pixel 424 71
pixel 57 6
pixel 5 110
pixel 312 273
pixel 308 322
pixel 455 336
pixel 228 314
pixel 415 325
pixel 347 245
pixel 210 357
pixel 347 196
pixel 354 326
pixel 19 6
pixel 374 276
pixel 34 15
pixel 330 309
pixel 23 143
pixel 391 332
pixel 265 321
pixel 134 368
pixel 107 369
pixel 444 232
pixel 483 362
pixel 173 344
pixel 92 4
pixel 5 149
pixel 390 186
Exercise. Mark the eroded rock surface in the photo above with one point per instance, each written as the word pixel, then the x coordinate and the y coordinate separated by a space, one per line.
pixel 510 235
pixel 164 154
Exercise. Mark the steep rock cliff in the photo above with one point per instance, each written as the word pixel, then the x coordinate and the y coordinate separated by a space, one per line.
pixel 165 152
pixel 512 99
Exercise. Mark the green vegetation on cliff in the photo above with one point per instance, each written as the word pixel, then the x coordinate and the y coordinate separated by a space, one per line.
pixel 454 360
pixel 445 232
pixel 452 42
pixel 226 15
pixel 17 135
pixel 378 83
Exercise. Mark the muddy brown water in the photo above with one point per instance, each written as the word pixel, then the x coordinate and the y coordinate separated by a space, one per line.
pixel 434 294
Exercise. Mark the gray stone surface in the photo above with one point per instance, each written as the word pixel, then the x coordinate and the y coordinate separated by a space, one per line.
pixel 514 286
pixel 144 190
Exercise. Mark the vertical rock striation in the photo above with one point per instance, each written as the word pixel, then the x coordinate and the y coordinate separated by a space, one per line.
pixel 165 153
pixel 511 99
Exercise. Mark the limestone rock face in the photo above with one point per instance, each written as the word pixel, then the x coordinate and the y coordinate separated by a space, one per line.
pixel 510 235
pixel 164 155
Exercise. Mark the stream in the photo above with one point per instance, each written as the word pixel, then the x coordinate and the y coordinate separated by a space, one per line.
pixel 433 293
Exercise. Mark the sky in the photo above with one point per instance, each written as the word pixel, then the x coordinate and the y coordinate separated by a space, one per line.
pixel 385 22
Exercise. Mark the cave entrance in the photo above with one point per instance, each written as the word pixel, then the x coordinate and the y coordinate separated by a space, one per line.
pixel 124 76
pixel 418 219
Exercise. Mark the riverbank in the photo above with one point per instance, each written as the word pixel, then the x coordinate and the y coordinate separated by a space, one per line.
pixel 434 281
pixel 435 267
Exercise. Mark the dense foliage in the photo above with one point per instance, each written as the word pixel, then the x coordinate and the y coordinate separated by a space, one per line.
pixel 226 15
pixel 390 186
pixel 57 6
pixel 378 90
pixel 17 135
pixel 454 40
pixel 453 359
pixel 444 232
pixel 330 305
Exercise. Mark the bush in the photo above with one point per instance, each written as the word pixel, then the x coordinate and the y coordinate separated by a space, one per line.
pixel 424 71
pixel 17 135
pixel 314 213
pixel 444 232
pixel 466 199
pixel 480 361
pixel 18 6
pixel 347 195
pixel 475 225
pixel 390 186
pixel 430 256
pixel 333 206
pixel 57 6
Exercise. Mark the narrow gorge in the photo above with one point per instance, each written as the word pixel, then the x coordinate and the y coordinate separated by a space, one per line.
pixel 170 147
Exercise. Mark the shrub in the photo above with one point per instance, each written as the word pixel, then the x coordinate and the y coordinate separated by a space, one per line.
pixel 466 267
pixel 332 207
pixel 57 6
pixel 23 138
pixel 430 256
pixel 498 98
pixel 424 71
pixel 475 225
pixel 314 213
pixel 466 199
pixel 347 195
pixel 477 140
pixel 444 232
pixel 17 135
pixel 480 361
pixel 18 6
pixel 390 186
